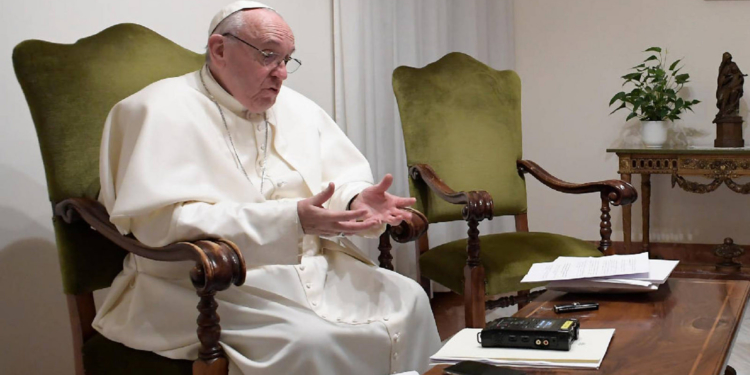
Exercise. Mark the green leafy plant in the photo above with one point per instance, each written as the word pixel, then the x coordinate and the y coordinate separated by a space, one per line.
pixel 654 97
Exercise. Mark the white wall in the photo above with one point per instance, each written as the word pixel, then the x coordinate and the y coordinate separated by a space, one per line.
pixel 570 55
pixel 33 319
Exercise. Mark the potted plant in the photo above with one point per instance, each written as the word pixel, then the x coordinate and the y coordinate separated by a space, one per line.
pixel 654 97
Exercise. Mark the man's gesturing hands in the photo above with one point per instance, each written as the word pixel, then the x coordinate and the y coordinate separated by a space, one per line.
pixel 381 206
pixel 372 207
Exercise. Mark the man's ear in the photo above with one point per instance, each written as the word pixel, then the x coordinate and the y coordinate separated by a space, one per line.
pixel 216 49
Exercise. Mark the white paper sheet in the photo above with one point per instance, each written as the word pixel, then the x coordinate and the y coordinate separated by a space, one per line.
pixel 586 352
pixel 658 273
pixel 571 268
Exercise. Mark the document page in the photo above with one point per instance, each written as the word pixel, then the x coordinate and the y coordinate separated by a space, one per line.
pixel 571 268
pixel 659 271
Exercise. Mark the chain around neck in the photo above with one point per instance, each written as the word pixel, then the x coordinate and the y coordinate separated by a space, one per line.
pixel 231 141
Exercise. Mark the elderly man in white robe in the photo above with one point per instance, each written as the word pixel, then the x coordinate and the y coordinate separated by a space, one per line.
pixel 229 152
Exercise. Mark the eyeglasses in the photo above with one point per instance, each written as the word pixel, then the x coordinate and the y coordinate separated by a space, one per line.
pixel 271 59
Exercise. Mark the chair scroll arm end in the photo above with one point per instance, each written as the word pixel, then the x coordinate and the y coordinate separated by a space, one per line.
pixel 620 193
pixel 409 230
pixel 478 203
pixel 220 264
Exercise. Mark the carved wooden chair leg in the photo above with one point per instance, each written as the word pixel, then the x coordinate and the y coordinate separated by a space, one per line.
pixel 385 258
pixel 219 267
pixel 474 279
pixel 532 296
pixel 422 245
pixel 521 300
pixel 605 227
pixel 474 305
pixel 426 285
pixel 211 357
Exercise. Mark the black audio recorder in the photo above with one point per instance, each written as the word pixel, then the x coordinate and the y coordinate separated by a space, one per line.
pixel 530 333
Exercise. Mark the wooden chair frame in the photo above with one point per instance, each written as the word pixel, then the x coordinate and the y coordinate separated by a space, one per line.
pixel 479 206
pixel 218 265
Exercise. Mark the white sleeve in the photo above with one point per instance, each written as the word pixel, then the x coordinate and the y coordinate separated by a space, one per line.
pixel 267 233
pixel 346 167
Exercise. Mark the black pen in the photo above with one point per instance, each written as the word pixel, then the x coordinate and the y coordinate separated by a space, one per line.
pixel 576 306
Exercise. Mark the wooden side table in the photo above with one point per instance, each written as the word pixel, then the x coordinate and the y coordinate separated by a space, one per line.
pixel 722 165
pixel 687 327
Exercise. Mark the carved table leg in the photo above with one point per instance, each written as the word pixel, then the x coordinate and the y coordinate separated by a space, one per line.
pixel 626 218
pixel 646 204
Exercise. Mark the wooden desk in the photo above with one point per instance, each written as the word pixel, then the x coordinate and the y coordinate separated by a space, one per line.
pixel 723 165
pixel 687 327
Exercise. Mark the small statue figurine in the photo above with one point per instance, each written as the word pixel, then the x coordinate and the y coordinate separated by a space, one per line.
pixel 728 93
pixel 729 90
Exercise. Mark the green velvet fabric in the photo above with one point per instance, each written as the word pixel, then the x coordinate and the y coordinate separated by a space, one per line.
pixel 463 118
pixel 506 258
pixel 70 90
pixel 102 356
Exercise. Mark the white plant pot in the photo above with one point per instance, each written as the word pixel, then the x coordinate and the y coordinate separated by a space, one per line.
pixel 654 133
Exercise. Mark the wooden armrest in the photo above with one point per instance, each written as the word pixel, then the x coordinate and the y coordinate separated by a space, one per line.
pixel 409 230
pixel 478 203
pixel 618 192
pixel 219 263
pixel 406 231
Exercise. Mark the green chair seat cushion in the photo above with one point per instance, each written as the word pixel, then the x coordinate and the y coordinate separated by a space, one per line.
pixel 103 356
pixel 506 258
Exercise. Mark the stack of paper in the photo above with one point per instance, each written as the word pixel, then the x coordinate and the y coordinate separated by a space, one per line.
pixel 586 352
pixel 614 273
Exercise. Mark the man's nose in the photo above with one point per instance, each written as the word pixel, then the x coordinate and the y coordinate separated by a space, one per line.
pixel 280 71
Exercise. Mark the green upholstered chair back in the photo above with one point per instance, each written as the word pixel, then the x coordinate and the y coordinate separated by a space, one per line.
pixel 70 89
pixel 462 118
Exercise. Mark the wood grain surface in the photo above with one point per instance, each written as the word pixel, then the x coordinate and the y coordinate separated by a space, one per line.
pixel 687 327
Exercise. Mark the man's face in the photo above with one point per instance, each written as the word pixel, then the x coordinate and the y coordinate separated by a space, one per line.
pixel 247 74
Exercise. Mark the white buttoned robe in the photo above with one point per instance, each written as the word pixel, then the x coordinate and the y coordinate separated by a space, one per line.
pixel 169 172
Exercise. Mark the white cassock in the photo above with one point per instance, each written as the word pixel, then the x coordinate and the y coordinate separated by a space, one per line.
pixel 169 173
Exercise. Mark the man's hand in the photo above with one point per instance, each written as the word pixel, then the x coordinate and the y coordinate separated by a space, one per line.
pixel 317 220
pixel 381 206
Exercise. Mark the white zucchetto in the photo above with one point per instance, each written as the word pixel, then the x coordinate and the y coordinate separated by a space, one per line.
pixel 232 8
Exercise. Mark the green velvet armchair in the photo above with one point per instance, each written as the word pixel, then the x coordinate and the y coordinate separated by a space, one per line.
pixel 70 90
pixel 461 122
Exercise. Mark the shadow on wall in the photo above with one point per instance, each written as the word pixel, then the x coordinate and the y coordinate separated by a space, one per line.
pixel 34 310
